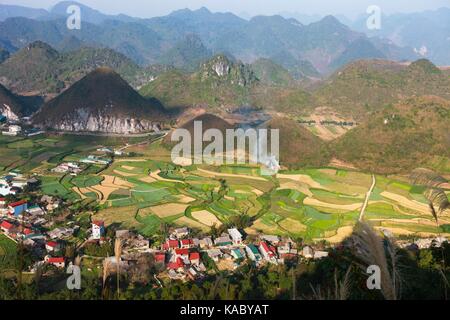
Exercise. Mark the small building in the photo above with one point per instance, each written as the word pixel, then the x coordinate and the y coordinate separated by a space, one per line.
pixel 17 208
pixel 268 252
pixel 320 254
pixel 271 239
pixel 206 243
pixel 176 265
pixel 215 254
pixel 236 236
pixel 182 253
pixel 56 261
pixel 308 252
pixel 52 246
pixel 171 244
pixel 13 130
pixel 253 253
pixel 160 257
pixel 2 202
pixel 6 227
pixel 98 230
pixel 223 241
pixel 186 243
pixel 237 254
pixel 194 258
pixel 181 232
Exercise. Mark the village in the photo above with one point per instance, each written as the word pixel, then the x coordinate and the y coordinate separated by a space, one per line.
pixel 180 256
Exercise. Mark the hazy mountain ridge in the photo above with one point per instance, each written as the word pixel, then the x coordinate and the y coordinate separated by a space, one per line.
pixel 151 41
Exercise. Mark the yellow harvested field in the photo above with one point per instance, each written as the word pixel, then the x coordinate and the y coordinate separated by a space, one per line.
pixel 292 225
pixel 220 174
pixel 257 192
pixel 229 198
pixel 78 191
pixel 148 179
pixel 317 203
pixel 111 181
pixel 396 231
pixel 125 215
pixel 125 174
pixel 169 209
pixel 303 178
pixel 295 186
pixel 187 222
pixel 128 168
pixel 184 199
pixel 206 218
pixel 105 191
pixel 341 234
pixel 258 225
pixel 407 203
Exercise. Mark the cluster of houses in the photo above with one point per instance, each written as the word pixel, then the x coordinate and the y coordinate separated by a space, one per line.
pixel 13 183
pixel 111 151
pixel 93 159
pixel 12 130
pixel 183 256
pixel 68 167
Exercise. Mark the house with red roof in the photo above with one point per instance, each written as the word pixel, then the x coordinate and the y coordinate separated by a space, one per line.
pixel 194 258
pixel 58 262
pixel 171 244
pixel 98 229
pixel 17 208
pixel 187 243
pixel 52 246
pixel 268 252
pixel 160 257
pixel 182 253
pixel 6 227
pixel 178 264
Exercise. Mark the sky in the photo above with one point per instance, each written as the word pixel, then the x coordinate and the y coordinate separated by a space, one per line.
pixel 151 8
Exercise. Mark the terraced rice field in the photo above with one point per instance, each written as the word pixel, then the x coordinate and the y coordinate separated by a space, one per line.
pixel 143 192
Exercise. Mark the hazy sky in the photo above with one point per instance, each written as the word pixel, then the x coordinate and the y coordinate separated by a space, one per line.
pixel 150 8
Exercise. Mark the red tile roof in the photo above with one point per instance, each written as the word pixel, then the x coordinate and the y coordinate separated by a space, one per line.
pixel 186 242
pixel 182 252
pixel 52 244
pixel 6 225
pixel 173 244
pixel 98 223
pixel 176 265
pixel 27 231
pixel 160 257
pixel 55 260
pixel 18 203
pixel 194 256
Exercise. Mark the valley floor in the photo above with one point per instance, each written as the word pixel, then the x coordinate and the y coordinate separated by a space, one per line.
pixel 141 191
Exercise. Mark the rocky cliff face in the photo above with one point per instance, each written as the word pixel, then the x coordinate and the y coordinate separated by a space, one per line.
pixel 101 102
pixel 7 112
pixel 83 121
pixel 221 68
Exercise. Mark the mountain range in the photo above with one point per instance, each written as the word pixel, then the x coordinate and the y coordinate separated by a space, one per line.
pixel 174 39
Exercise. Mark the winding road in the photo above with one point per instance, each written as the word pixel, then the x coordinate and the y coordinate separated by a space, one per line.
pixel 366 201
